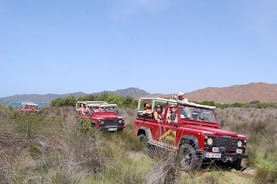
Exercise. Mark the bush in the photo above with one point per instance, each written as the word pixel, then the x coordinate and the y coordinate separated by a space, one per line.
pixel 67 101
pixel 253 104
pixel 121 101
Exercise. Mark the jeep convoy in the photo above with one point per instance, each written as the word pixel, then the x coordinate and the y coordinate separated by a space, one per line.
pixel 191 130
pixel 101 115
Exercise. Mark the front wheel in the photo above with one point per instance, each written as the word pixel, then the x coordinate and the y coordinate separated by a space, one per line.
pixel 142 138
pixel 237 165
pixel 188 158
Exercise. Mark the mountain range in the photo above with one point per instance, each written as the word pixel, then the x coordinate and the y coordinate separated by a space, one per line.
pixel 263 92
pixel 47 98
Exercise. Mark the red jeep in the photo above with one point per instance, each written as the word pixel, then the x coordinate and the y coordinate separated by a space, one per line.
pixel 191 130
pixel 29 107
pixel 101 115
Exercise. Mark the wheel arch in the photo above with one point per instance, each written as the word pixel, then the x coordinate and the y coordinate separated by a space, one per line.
pixel 190 139
pixel 145 131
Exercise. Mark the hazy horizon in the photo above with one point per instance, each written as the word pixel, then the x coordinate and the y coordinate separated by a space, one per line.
pixel 175 92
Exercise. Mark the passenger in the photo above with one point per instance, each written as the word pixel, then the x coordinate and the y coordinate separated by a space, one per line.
pixel 102 109
pixel 158 114
pixel 91 110
pixel 172 114
pixel 180 96
pixel 147 110
pixel 96 109
pixel 85 110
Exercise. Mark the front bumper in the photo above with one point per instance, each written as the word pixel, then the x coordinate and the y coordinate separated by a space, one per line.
pixel 111 128
pixel 223 156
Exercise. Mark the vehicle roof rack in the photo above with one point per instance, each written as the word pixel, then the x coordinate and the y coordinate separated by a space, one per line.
pixel 29 103
pixel 175 102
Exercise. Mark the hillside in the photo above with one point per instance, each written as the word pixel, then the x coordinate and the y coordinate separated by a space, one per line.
pixel 262 92
pixel 238 93
pixel 37 98
pixel 133 92
pixel 47 98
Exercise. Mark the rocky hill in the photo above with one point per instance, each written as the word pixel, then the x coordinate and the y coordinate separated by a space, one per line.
pixel 133 92
pixel 238 93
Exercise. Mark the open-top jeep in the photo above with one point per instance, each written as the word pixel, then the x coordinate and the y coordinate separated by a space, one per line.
pixel 100 115
pixel 191 130
pixel 29 107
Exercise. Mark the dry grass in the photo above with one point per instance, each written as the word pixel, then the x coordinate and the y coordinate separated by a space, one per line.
pixel 50 147
pixel 259 125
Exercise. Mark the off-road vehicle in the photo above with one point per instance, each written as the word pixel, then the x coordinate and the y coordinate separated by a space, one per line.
pixel 29 107
pixel 101 115
pixel 191 130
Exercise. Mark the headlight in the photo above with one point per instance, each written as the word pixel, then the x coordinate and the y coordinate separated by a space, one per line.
pixel 102 122
pixel 210 141
pixel 239 144
pixel 120 121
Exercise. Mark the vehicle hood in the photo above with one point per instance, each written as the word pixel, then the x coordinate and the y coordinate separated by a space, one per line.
pixel 214 131
pixel 105 115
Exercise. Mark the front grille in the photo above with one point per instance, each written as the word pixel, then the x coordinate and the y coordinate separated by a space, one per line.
pixel 111 122
pixel 227 142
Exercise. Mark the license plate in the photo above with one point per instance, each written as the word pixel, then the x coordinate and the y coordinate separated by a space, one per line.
pixel 215 149
pixel 112 129
pixel 213 155
pixel 239 151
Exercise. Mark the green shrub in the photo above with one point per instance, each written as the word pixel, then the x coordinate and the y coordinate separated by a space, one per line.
pixel 121 101
pixel 67 101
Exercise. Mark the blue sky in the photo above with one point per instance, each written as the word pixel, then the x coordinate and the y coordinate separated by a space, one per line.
pixel 163 46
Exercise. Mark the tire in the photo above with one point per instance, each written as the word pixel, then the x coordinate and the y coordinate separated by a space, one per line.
pixel 237 165
pixel 188 158
pixel 142 138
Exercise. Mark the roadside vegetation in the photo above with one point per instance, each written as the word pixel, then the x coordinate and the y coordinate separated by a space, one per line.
pixel 253 104
pixel 259 125
pixel 50 147
pixel 121 101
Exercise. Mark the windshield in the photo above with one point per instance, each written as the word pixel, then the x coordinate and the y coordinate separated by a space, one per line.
pixel 110 109
pixel 104 109
pixel 198 114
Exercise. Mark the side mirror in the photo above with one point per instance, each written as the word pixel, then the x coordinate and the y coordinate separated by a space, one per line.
pixel 221 124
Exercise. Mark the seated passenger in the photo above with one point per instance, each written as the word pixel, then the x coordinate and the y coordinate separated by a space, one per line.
pixel 91 110
pixel 172 115
pixel 85 110
pixel 147 110
pixel 102 109
pixel 158 114
pixel 96 109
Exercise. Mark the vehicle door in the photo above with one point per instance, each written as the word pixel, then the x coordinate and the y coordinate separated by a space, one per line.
pixel 149 123
pixel 168 127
